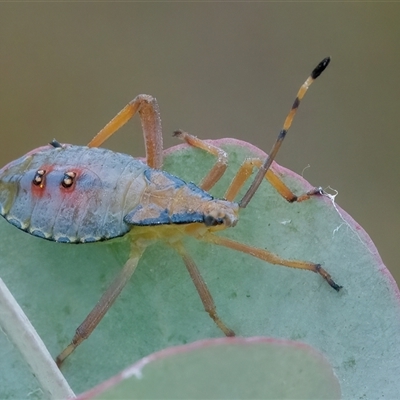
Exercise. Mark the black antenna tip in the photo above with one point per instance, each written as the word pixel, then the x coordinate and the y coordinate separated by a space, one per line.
pixel 320 68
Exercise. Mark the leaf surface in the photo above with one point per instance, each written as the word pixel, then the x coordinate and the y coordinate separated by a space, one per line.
pixel 226 368
pixel 356 329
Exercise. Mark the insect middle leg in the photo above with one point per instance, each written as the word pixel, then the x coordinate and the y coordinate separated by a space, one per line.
pixel 221 164
pixel 245 171
pixel 202 288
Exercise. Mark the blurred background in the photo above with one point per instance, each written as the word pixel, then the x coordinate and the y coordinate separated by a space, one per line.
pixel 218 70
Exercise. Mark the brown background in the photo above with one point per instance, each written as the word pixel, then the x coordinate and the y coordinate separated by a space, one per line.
pixel 218 70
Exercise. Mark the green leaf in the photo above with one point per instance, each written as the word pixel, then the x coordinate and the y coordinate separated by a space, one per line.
pixel 229 368
pixel 357 329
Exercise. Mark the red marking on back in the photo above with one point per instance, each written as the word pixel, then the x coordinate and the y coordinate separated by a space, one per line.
pixel 39 190
pixel 71 189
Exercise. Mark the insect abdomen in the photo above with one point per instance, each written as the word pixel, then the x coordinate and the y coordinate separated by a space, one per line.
pixel 70 194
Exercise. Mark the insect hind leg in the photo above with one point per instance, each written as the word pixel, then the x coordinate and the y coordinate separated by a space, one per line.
pixel 149 113
pixel 245 172
pixel 106 301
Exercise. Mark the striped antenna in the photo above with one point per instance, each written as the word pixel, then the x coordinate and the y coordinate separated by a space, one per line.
pixel 288 122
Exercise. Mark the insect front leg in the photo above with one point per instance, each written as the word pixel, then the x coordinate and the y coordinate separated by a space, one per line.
pixel 202 288
pixel 147 107
pixel 242 175
pixel 245 172
pixel 96 315
pixel 268 256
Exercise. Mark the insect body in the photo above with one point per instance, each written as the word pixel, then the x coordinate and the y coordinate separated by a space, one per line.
pixel 75 194
pixel 99 198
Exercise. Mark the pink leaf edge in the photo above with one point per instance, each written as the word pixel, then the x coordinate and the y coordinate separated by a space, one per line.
pixel 137 368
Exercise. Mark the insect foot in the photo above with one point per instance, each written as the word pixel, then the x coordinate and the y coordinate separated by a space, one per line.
pixel 327 277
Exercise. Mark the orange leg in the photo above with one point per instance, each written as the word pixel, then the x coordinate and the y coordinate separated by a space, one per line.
pixel 245 172
pixel 202 288
pixel 268 257
pixel 106 301
pixel 151 124
pixel 220 165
